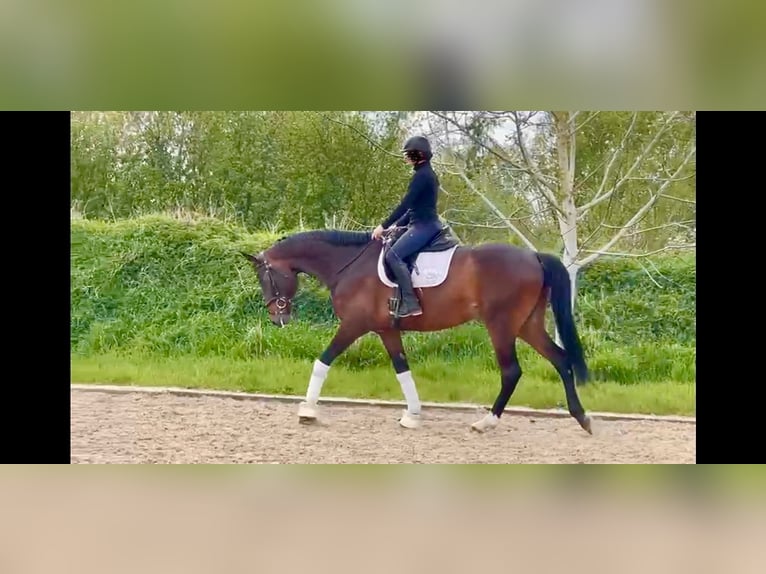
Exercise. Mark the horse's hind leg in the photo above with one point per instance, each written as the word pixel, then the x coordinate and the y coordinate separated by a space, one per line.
pixel 504 343
pixel 533 332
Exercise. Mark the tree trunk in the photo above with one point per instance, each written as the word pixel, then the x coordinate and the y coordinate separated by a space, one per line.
pixel 565 146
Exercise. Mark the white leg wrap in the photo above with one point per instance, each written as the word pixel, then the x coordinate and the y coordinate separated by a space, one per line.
pixel 410 392
pixel 409 421
pixel 307 413
pixel 318 376
pixel 489 421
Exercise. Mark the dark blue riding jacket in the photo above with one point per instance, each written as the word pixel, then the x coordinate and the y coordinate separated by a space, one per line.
pixel 419 203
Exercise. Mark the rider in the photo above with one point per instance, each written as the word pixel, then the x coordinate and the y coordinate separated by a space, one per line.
pixel 417 209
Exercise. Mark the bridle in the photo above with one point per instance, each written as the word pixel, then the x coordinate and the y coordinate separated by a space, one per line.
pixel 281 301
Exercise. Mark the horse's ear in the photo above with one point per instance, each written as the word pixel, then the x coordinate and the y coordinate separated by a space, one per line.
pixel 251 258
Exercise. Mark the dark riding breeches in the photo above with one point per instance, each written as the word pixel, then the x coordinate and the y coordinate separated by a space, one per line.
pixel 415 238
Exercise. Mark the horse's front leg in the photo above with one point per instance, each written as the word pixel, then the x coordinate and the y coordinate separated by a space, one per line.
pixel 392 340
pixel 308 411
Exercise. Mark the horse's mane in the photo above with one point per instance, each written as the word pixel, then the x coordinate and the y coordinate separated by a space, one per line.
pixel 331 236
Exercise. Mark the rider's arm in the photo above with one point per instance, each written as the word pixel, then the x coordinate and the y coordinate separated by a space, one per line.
pixel 419 183
pixel 404 220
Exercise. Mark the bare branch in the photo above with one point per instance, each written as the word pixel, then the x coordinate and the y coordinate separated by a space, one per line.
pixel 682 200
pixel 457 170
pixel 446 221
pixel 608 169
pixel 658 272
pixel 640 213
pixel 580 184
pixel 470 211
pixel 635 255
pixel 586 241
pixel 593 115
pixel 601 195
pixel 360 133
pixel 651 178
pixel 478 141
pixel 496 211
pixel 648 274
pixel 457 210
pixel 545 188
pixel 655 228
pixel 477 225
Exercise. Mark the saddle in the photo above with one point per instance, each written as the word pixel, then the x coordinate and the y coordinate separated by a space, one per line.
pixel 443 241
pixel 428 266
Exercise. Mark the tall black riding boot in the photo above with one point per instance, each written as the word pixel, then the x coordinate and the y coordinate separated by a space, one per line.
pixel 409 306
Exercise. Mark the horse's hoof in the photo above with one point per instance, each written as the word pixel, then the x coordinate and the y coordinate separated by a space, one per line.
pixel 586 424
pixel 489 421
pixel 409 421
pixel 307 414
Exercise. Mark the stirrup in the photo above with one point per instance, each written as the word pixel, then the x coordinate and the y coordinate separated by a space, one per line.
pixel 395 305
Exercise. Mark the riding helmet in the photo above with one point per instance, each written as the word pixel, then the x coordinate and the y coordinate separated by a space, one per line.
pixel 418 143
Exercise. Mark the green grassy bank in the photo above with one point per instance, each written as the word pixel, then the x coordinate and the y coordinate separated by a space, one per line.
pixel 164 302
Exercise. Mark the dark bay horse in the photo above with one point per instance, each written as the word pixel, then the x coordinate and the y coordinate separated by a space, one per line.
pixel 507 288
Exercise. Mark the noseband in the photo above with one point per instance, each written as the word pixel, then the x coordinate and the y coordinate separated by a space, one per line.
pixel 281 301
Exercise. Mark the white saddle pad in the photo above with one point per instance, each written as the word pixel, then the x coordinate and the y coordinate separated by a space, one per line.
pixel 430 270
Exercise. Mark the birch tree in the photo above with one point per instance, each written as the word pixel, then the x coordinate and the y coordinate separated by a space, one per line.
pixel 636 176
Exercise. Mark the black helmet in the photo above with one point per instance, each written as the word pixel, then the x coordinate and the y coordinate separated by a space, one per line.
pixel 418 143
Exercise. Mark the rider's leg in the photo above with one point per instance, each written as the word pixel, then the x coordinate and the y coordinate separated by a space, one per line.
pixel 408 244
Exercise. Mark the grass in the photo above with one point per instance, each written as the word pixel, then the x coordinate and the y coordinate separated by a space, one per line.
pixel 437 381
pixel 165 302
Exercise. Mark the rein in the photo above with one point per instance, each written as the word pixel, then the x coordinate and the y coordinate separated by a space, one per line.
pixel 386 237
pixel 357 256
pixel 390 232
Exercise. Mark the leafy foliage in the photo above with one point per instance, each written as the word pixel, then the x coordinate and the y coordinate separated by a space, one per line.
pixel 262 169
pixel 166 287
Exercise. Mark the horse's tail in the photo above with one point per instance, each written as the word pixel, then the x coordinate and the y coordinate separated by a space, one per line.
pixel 556 277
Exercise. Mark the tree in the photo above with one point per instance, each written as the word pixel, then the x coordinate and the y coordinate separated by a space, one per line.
pixel 598 176
pixel 266 169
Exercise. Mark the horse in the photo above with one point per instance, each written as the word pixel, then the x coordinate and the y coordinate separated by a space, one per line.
pixel 504 287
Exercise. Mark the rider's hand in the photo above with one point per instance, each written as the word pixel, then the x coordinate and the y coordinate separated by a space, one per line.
pixel 378 232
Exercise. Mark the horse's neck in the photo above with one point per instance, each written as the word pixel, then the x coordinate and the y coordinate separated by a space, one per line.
pixel 322 261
